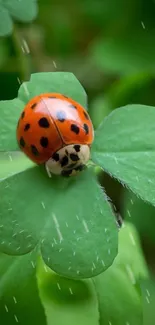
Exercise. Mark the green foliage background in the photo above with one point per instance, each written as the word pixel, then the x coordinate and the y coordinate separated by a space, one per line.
pixel 109 46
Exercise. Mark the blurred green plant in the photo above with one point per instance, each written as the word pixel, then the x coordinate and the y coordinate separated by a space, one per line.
pixel 21 10
pixel 124 55
pixel 141 214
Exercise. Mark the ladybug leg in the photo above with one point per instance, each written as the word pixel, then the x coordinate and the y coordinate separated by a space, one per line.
pixel 48 171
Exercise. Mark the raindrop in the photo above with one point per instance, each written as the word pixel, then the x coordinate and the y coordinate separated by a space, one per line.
pixel 57 228
pixel 103 263
pixel 71 292
pixel 10 157
pixel 85 225
pixel 28 236
pixel 25 46
pixel 148 293
pixel 142 23
pixel 14 298
pixel 33 264
pixel 130 274
pixel 55 66
pixel 132 238
pixel 16 319
pixel 6 308
pixel 25 89
pixel 21 231
pixel 55 241
pixel 94 266
pixel 58 285
pixel 129 214
pixel 18 80
pixel 147 299
pixel 45 268
pixel 43 205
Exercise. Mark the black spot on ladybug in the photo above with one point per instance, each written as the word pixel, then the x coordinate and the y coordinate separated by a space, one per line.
pixel 64 161
pixel 27 126
pixel 66 173
pixel 33 105
pixel 61 116
pixel 77 147
pixel 43 123
pixel 74 157
pixel 72 106
pixel 22 115
pixel 55 156
pixel 86 115
pixel 86 128
pixel 44 142
pixel 75 128
pixel 66 152
pixel 22 142
pixel 34 150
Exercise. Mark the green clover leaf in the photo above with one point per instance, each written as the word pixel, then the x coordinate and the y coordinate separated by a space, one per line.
pixel 118 289
pixel 113 297
pixel 61 82
pixel 67 301
pixel 125 147
pixel 71 221
pixel 19 296
pixel 24 11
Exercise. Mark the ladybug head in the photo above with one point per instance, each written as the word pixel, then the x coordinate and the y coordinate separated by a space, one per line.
pixel 68 160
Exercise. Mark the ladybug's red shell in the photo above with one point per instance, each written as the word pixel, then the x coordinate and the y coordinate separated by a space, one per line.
pixel 49 122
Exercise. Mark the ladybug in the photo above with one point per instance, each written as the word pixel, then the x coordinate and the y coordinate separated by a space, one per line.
pixel 56 131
